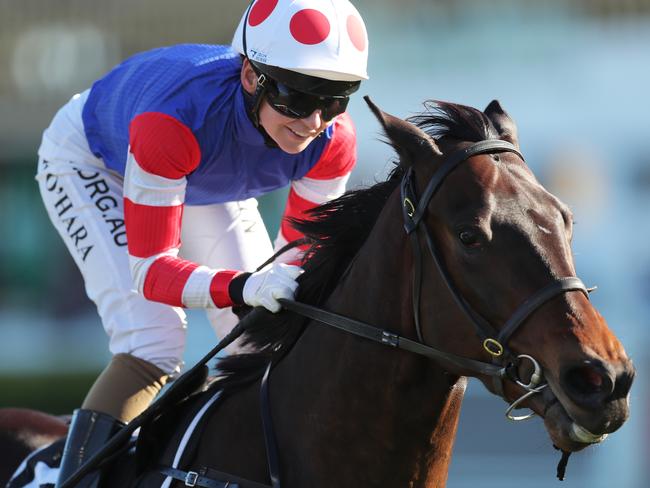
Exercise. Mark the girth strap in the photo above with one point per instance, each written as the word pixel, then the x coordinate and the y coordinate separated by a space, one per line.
pixel 193 478
pixel 389 339
pixel 209 478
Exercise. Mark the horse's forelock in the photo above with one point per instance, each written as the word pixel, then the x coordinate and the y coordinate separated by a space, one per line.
pixel 445 119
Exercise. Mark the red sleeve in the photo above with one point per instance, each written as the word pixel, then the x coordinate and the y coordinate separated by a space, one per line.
pixel 166 279
pixel 163 146
pixel 151 230
pixel 340 155
pixel 296 209
pixel 338 159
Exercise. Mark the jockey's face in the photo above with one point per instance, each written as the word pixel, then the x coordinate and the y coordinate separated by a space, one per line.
pixel 290 134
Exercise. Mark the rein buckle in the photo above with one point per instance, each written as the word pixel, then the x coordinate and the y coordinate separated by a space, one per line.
pixel 191 478
pixel 389 338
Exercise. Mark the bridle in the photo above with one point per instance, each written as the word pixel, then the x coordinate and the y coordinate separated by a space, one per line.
pixel 495 342
pixel 504 363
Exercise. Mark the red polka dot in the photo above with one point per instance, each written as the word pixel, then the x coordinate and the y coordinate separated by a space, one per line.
pixel 309 26
pixel 261 11
pixel 356 32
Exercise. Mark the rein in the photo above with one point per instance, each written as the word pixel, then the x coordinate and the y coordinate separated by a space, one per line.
pixel 387 338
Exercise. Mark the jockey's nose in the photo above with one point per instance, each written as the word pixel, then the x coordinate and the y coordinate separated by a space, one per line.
pixel 314 120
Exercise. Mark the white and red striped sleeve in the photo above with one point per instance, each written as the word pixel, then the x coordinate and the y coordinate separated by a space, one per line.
pixel 325 181
pixel 162 152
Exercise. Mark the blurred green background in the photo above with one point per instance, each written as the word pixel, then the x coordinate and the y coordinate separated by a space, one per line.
pixel 574 74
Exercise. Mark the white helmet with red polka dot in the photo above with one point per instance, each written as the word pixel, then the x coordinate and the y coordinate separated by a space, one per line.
pixel 320 38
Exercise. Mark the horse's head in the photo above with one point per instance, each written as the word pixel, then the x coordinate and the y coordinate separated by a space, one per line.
pixel 504 265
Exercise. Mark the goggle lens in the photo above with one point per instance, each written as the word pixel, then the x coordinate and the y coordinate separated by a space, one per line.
pixel 299 105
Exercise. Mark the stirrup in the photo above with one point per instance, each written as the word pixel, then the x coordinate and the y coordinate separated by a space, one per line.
pixel 89 431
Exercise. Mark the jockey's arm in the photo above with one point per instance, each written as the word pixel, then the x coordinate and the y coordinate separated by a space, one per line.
pixel 162 152
pixel 322 183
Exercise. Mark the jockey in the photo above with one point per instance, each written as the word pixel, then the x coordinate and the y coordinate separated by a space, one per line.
pixel 151 175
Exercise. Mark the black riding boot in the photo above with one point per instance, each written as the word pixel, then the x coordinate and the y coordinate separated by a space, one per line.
pixel 89 431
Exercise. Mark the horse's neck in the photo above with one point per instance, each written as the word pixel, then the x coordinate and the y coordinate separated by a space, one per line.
pixel 375 416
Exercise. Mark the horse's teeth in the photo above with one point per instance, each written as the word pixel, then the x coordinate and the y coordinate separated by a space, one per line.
pixel 580 434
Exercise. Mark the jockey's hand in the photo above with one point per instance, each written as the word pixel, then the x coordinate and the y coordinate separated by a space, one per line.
pixel 265 287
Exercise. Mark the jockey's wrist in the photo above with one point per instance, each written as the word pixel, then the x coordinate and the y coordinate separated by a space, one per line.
pixel 220 288
pixel 236 288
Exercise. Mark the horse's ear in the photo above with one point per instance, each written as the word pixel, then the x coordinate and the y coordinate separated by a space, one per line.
pixel 502 122
pixel 411 142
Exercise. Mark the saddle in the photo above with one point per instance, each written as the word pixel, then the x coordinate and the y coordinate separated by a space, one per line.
pixel 165 445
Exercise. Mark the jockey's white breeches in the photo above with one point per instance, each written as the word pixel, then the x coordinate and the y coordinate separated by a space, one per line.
pixel 84 202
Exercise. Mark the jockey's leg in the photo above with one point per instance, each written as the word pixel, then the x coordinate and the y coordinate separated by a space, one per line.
pixel 230 235
pixel 84 202
pixel 125 388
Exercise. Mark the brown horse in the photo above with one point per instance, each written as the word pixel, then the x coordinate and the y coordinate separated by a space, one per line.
pixel 22 431
pixel 482 283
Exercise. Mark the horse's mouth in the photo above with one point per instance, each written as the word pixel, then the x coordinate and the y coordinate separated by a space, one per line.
pixel 564 432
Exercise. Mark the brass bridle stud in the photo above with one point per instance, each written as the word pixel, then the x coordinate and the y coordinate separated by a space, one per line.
pixel 410 208
pixel 493 347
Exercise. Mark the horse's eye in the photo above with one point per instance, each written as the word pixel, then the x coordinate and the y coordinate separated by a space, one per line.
pixel 469 238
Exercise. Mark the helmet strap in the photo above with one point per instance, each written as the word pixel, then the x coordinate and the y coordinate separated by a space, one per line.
pixel 253 103
pixel 257 98
pixel 260 90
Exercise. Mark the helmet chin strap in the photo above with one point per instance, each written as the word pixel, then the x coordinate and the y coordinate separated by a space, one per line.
pixel 256 101
pixel 253 103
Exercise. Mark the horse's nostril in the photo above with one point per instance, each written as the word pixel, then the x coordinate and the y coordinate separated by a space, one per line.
pixel 591 377
pixel 588 383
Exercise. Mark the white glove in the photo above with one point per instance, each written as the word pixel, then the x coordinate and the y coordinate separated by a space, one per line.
pixel 264 287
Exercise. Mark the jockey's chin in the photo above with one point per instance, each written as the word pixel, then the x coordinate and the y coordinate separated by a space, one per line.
pixel 291 135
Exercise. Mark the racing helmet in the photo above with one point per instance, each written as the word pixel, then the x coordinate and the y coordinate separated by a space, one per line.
pixel 318 47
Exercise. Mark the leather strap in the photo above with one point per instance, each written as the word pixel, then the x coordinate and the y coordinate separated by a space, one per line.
pixel 417 284
pixel 481 147
pixel 269 432
pixel 194 478
pixel 483 328
pixel 209 478
pixel 562 285
pixel 388 338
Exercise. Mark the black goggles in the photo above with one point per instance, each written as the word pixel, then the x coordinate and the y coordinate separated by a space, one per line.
pixel 299 105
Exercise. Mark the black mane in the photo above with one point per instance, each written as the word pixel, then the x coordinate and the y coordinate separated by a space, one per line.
pixel 336 231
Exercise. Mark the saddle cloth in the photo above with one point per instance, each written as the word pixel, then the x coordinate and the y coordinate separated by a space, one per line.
pixel 41 468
